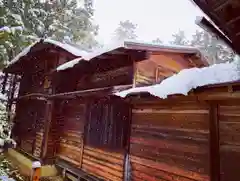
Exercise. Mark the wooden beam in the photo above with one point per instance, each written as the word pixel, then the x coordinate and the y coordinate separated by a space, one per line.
pixel 214 142
pixel 47 119
pixel 221 4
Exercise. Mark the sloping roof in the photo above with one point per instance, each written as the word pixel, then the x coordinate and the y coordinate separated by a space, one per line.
pixel 69 48
pixel 131 45
pixel 226 16
pixel 189 79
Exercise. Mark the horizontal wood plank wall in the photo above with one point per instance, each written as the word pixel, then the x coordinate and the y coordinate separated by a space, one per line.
pixel 229 133
pixel 169 141
pixel 71 126
pixel 107 165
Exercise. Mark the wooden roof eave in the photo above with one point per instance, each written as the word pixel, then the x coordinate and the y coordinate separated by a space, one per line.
pixel 120 54
pixel 208 26
pixel 228 23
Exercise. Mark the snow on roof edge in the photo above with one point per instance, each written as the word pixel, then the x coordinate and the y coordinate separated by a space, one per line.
pixel 90 55
pixel 69 48
pixel 188 79
pixel 22 53
pixel 164 46
pixel 69 64
pixel 127 44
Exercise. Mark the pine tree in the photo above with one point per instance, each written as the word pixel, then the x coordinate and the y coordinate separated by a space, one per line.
pixel 215 50
pixel 179 38
pixel 126 30
pixel 157 41
pixel 61 20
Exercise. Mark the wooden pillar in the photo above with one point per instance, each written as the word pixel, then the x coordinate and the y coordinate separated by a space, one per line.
pixel 47 124
pixel 214 142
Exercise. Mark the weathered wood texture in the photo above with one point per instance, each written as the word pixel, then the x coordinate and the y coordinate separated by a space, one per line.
pixel 70 119
pixel 229 126
pixel 29 125
pixel 108 122
pixel 161 65
pixel 84 80
pixel 107 165
pixel 120 76
pixel 106 135
pixel 170 141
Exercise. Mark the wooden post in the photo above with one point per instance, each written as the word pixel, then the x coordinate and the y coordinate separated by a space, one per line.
pixel 214 142
pixel 48 116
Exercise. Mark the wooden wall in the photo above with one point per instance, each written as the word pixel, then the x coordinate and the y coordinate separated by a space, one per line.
pixel 169 141
pixel 119 76
pixel 161 65
pixel 106 135
pixel 29 126
pixel 229 140
pixel 70 119
pixel 102 163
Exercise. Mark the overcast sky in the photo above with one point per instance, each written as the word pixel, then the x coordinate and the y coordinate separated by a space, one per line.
pixel 155 18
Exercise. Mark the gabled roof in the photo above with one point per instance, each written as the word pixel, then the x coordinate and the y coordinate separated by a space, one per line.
pixel 123 47
pixel 68 48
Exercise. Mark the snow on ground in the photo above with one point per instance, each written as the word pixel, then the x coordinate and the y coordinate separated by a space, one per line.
pixel 189 79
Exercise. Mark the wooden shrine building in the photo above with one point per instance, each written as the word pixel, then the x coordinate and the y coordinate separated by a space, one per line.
pixel 67 114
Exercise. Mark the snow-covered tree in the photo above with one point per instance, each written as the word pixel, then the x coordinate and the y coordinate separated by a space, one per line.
pixel 216 50
pixel 126 30
pixel 157 41
pixel 213 48
pixel 63 20
pixel 179 38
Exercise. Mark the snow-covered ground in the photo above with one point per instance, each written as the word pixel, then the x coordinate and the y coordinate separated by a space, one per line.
pixel 189 79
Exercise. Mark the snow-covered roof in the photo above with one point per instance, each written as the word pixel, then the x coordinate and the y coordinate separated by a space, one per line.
pixel 69 64
pixel 69 48
pixel 22 53
pixel 137 45
pixel 189 79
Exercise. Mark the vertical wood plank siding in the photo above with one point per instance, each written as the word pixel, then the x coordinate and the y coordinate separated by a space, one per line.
pixel 229 131
pixel 70 119
pixel 106 138
pixel 170 142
